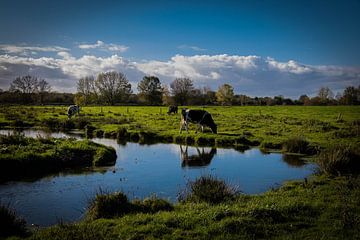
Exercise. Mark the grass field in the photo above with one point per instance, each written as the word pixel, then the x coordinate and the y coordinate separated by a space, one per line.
pixel 268 126
pixel 325 206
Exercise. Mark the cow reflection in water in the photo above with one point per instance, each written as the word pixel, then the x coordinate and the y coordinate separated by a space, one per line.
pixel 199 159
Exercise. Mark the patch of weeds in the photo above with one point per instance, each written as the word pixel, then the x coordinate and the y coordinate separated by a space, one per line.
pixel 208 189
pixel 117 204
pixel 89 131
pixel 339 159
pixel 108 205
pixel 296 145
pixel 270 145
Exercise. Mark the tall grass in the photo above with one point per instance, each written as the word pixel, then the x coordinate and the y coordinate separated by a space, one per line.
pixel 112 205
pixel 10 223
pixel 208 189
pixel 339 159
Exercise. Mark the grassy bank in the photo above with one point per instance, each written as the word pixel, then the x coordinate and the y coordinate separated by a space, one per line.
pixel 269 127
pixel 22 157
pixel 319 208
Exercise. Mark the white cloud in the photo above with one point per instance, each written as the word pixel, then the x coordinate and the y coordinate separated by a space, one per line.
pixel 26 50
pixel 250 75
pixel 104 47
pixel 290 66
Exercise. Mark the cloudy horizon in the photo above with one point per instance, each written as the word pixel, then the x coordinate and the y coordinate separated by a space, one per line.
pixel 257 52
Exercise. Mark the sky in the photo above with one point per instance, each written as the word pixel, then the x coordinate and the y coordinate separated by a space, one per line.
pixel 261 48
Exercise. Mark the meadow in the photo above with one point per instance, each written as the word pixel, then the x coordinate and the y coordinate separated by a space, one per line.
pixel 325 205
pixel 269 127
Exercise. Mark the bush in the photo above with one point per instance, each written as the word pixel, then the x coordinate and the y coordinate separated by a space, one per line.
pixel 296 145
pixel 208 189
pixel 10 224
pixel 339 159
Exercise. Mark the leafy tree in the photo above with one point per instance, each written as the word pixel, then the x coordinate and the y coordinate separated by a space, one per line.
pixel 150 90
pixel 304 100
pixel 113 87
pixel 181 89
pixel 225 94
pixel 351 95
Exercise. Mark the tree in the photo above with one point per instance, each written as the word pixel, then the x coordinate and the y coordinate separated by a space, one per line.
pixel 325 94
pixel 28 87
pixel 113 87
pixel 150 90
pixel 351 95
pixel 181 89
pixel 166 98
pixel 304 100
pixel 87 88
pixel 26 84
pixel 43 88
pixel 225 94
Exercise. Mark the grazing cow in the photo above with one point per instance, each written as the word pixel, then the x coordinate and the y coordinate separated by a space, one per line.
pixel 200 117
pixel 202 158
pixel 72 110
pixel 172 109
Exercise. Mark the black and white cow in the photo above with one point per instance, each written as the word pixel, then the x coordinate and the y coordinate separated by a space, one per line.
pixel 173 109
pixel 200 117
pixel 72 110
pixel 202 158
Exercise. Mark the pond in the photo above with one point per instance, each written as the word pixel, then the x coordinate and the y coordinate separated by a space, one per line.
pixel 142 170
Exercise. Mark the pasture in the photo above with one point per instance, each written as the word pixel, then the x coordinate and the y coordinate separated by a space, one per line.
pixel 325 205
pixel 269 127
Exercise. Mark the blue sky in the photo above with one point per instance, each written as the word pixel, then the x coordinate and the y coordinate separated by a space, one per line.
pixel 260 47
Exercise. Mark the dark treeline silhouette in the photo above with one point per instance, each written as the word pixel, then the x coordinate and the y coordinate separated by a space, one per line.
pixel 113 88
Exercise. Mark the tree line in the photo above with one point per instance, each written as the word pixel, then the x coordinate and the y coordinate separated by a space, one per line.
pixel 113 88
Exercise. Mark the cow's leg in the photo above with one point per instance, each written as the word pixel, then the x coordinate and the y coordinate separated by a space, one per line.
pixel 182 125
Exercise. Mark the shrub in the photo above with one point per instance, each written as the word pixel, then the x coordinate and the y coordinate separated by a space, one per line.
pixel 339 159
pixel 11 224
pixel 208 189
pixel 296 145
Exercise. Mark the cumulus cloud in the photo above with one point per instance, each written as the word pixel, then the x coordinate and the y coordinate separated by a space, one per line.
pixel 104 46
pixel 250 75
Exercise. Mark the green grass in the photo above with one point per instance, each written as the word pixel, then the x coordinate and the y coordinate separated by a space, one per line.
pixel 320 208
pixel 255 125
pixel 22 157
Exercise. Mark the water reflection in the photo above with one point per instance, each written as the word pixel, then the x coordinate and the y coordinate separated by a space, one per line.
pixel 200 158
pixel 142 170
pixel 293 160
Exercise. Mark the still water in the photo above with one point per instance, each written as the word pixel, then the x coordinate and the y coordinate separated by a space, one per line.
pixel 142 170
